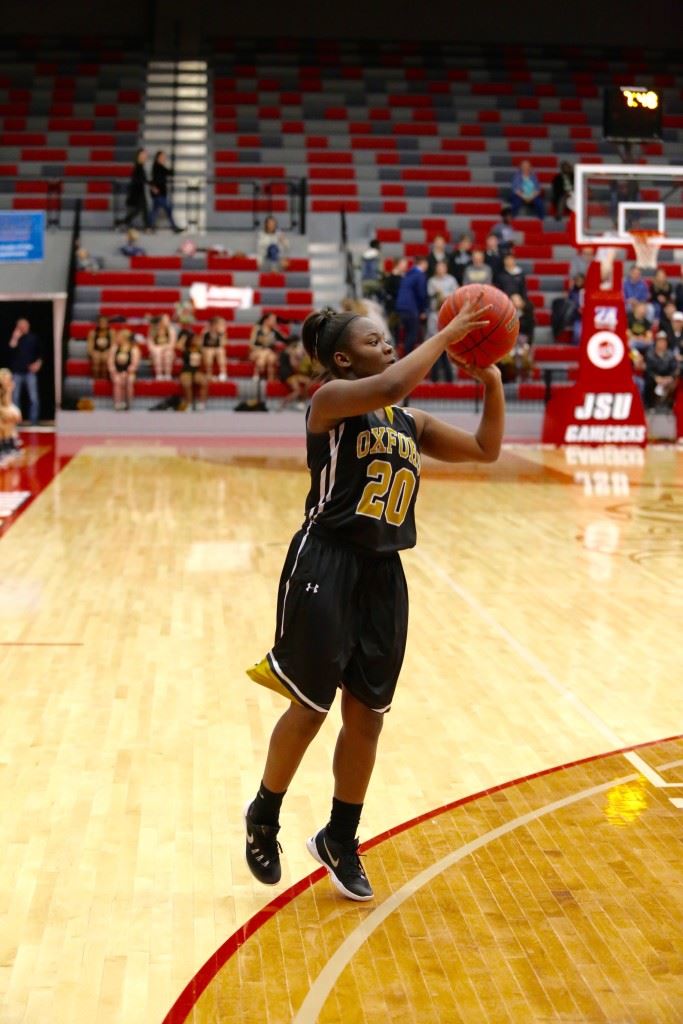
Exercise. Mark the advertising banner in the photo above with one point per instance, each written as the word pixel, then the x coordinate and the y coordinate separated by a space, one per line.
pixel 22 236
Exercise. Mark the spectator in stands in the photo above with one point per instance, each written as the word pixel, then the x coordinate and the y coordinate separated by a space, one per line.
pixel 478 272
pixel 131 247
pixel 576 296
pixel 661 374
pixel 635 289
pixel 214 341
pixel 162 344
pixel 661 292
pixel 25 360
pixel 296 371
pixel 265 343
pixel 161 200
pixel 639 330
pixel 272 246
pixel 511 279
pixel 492 256
pixel 438 253
pixel 10 418
pixel 391 285
pixel 563 189
pixel 84 259
pixel 193 379
pixel 136 196
pixel 439 287
pixel 517 364
pixel 581 261
pixel 372 270
pixel 412 303
pixel 461 257
pixel 124 359
pixel 526 191
pixel 99 342
pixel 503 230
pixel 672 325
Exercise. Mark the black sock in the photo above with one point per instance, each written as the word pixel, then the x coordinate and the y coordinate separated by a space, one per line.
pixel 344 820
pixel 265 809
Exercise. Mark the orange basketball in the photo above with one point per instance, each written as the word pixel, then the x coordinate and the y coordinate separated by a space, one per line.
pixel 484 345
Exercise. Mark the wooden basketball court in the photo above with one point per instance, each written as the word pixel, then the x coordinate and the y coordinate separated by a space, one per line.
pixel 545 603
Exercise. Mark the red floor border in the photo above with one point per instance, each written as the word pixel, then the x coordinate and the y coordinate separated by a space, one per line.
pixel 34 478
pixel 188 998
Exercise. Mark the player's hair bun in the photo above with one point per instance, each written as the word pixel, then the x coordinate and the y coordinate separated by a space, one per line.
pixel 322 334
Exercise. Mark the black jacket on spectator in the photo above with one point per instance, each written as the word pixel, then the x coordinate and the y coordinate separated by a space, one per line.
pixel 160 176
pixel 512 284
pixel 27 351
pixel 136 195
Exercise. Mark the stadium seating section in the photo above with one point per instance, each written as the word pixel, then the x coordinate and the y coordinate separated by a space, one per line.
pixel 413 140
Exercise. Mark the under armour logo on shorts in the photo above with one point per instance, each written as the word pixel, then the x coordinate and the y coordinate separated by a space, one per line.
pixel 313 587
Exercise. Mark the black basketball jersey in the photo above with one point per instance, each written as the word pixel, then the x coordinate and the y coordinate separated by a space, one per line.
pixel 364 479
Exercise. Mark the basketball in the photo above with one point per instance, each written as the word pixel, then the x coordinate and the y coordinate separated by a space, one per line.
pixel 484 345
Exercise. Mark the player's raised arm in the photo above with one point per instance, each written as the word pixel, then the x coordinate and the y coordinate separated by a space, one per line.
pixel 363 370
pixel 451 444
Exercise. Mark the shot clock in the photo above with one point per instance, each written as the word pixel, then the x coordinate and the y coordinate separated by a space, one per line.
pixel 632 113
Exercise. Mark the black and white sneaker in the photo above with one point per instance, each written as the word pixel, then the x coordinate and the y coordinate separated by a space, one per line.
pixel 262 850
pixel 343 865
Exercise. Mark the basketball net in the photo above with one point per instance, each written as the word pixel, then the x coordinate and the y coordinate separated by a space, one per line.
pixel 647 245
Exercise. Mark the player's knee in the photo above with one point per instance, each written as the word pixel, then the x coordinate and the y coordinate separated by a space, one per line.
pixel 306 720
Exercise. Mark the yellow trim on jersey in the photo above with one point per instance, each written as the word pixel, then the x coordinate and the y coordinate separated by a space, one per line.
pixel 388 409
pixel 264 676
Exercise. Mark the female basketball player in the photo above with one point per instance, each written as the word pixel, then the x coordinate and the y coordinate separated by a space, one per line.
pixel 342 611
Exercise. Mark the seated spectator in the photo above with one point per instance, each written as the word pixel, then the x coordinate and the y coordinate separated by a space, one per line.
pixel 10 418
pixel 272 246
pixel 84 259
pixel 162 342
pixel 193 380
pixel 639 330
pixel 661 374
pixel 563 190
pixel 517 364
pixel 265 344
pixel 635 289
pixel 672 325
pixel 439 253
pixel 565 312
pixel 296 371
pixel 372 270
pixel 576 295
pixel 412 303
pixel 461 257
pixel 492 255
pixel 661 292
pixel 503 230
pixel 99 342
pixel 161 200
pixel 478 272
pixel 512 278
pixel 526 191
pixel 214 341
pixel 131 247
pixel 581 261
pixel 124 359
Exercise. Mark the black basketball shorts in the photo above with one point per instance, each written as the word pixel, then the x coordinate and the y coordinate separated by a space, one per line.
pixel 342 619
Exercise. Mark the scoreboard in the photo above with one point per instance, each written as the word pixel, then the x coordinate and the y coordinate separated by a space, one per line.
pixel 632 113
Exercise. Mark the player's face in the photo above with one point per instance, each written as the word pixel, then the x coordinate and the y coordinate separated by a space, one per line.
pixel 368 351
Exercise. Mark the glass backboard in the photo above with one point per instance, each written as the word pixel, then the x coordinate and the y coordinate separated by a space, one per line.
pixel 611 200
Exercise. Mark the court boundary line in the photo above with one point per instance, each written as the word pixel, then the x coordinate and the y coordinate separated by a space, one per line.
pixel 200 981
pixel 541 669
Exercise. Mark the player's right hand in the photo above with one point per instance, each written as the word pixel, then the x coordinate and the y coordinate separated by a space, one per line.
pixel 472 314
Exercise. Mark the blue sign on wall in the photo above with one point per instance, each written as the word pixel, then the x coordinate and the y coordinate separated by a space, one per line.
pixel 22 236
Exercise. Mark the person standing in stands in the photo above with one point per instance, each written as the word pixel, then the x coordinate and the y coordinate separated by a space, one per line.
pixel 25 361
pixel 412 303
pixel 136 196
pixel 161 172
